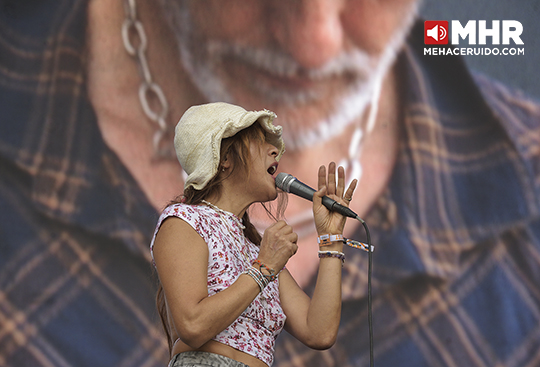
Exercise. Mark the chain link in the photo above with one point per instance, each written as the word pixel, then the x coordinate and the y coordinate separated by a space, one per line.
pixel 149 90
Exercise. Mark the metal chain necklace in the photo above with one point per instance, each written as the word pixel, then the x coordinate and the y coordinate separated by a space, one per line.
pixel 351 163
pixel 148 90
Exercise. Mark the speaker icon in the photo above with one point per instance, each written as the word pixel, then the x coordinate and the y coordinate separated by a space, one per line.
pixel 436 32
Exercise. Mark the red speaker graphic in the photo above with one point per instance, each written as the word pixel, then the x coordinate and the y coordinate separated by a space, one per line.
pixel 436 32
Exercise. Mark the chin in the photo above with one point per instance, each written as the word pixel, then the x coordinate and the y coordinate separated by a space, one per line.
pixel 274 197
pixel 271 196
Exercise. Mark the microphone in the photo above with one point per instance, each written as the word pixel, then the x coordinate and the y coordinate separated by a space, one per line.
pixel 290 184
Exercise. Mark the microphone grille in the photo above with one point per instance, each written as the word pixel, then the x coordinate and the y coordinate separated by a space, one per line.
pixel 283 181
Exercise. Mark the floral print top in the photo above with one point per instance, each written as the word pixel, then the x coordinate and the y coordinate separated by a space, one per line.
pixel 229 254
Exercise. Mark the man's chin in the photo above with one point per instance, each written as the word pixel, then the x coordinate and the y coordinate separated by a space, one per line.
pixel 296 116
pixel 318 118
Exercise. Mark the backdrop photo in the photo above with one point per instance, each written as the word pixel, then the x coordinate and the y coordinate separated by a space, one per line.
pixel 446 149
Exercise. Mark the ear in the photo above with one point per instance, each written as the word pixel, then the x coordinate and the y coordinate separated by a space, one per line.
pixel 225 163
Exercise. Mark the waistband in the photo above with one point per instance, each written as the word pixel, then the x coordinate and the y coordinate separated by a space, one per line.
pixel 203 359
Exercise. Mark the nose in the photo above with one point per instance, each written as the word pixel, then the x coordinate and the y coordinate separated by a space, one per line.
pixel 309 30
pixel 272 150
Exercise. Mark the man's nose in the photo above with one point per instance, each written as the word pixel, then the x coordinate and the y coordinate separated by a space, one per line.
pixel 309 30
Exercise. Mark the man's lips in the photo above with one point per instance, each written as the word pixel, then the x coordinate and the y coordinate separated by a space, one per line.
pixel 287 84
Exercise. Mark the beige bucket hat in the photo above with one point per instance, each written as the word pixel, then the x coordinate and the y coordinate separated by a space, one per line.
pixel 199 132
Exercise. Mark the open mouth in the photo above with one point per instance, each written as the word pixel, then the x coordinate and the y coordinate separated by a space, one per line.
pixel 272 169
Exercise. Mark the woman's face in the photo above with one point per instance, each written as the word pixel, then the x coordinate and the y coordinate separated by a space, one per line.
pixel 259 183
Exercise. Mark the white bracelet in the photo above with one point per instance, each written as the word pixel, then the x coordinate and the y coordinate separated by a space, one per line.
pixel 327 239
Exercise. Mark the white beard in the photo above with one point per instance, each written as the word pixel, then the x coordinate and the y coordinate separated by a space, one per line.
pixel 202 61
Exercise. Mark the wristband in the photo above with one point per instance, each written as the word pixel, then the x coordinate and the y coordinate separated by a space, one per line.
pixel 256 274
pixel 358 245
pixel 327 239
pixel 271 276
pixel 336 254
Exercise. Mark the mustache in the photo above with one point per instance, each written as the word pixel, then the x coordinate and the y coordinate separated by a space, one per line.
pixel 354 66
pixel 355 73
pixel 275 61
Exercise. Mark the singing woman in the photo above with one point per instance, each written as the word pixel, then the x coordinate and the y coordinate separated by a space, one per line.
pixel 224 291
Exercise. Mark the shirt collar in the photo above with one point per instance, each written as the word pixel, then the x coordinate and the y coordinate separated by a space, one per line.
pixel 54 140
pixel 461 178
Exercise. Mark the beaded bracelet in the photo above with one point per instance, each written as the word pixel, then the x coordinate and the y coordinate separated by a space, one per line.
pixel 327 239
pixel 256 274
pixel 337 254
pixel 271 276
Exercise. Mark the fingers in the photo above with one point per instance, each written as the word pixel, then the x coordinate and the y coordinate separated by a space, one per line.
pixel 281 229
pixel 341 182
pixel 280 224
pixel 333 187
pixel 279 243
pixel 291 237
pixel 321 177
pixel 331 179
pixel 350 191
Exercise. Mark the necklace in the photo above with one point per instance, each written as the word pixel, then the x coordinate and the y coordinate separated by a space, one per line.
pixel 351 163
pixel 223 214
pixel 149 90
pixel 303 221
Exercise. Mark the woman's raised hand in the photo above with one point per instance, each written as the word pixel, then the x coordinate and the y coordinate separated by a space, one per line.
pixel 328 222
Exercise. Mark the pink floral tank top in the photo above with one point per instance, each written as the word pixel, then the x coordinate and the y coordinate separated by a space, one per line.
pixel 230 253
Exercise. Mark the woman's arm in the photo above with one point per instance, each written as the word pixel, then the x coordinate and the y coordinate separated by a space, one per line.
pixel 315 321
pixel 181 258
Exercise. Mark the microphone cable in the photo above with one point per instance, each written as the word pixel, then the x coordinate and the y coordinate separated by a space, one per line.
pixel 369 248
pixel 288 183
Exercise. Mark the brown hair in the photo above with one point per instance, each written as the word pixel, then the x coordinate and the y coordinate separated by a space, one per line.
pixel 237 149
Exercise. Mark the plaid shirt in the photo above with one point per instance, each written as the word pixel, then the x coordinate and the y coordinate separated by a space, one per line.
pixel 76 283
pixel 456 267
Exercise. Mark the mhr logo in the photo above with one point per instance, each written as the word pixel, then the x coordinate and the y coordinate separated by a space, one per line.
pixel 436 32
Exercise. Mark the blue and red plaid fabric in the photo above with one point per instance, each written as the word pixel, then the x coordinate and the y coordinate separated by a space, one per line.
pixel 456 277
pixel 456 266
pixel 76 284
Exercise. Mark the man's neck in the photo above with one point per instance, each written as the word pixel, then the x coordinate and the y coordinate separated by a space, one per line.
pixel 114 82
pixel 113 88
pixel 379 153
pixel 377 156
